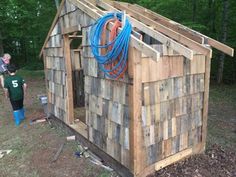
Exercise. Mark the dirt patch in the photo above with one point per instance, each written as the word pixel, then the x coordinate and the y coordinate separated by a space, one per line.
pixel 34 146
pixel 216 162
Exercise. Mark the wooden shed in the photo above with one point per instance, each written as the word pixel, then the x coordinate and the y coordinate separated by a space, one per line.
pixel 155 115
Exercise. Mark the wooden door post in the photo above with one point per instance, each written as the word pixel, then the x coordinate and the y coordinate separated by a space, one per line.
pixel 69 86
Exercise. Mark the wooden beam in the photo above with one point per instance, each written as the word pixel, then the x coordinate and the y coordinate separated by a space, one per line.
pixel 69 86
pixel 96 13
pixel 205 102
pixel 188 53
pixel 52 26
pixel 165 30
pixel 135 103
pixel 75 36
pixel 166 22
pixel 192 34
pixel 71 29
pixel 172 159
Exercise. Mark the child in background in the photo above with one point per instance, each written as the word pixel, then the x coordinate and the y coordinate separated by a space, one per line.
pixel 4 62
pixel 15 88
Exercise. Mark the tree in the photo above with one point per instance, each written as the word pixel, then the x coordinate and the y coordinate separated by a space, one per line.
pixel 223 39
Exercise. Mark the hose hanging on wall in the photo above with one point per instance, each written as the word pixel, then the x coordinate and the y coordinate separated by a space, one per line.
pixel 111 51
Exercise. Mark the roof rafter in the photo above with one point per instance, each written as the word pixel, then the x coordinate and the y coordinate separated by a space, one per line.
pixel 192 34
pixel 188 53
pixel 165 30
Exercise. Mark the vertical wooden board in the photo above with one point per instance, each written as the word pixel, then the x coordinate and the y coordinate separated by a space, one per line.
pixel 92 67
pixel 157 112
pixel 176 66
pixel 66 21
pixel 186 66
pixel 180 106
pixel 117 113
pixel 175 144
pixel 178 87
pixel 183 141
pixel 69 88
pixel 119 92
pixel 184 123
pixel 197 65
pixel 125 157
pixel 126 138
pixel 146 135
pixel 126 117
pixel 105 108
pixel 167 110
pixel 106 89
pixel 165 130
pixel 73 18
pixel 167 147
pixel 146 92
pixel 146 116
pixel 138 156
pixel 174 126
pixel 152 154
pixel 166 89
pixel 95 104
pixel 130 63
pixel 151 70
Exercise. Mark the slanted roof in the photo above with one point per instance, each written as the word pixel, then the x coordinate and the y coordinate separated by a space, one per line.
pixel 180 38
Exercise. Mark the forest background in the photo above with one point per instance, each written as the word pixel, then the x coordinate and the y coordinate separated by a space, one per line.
pixel 24 25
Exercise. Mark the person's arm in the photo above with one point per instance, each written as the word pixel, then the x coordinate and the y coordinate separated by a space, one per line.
pixel 24 88
pixel 6 93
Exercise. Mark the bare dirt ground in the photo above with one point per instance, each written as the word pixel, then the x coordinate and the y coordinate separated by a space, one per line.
pixel 34 146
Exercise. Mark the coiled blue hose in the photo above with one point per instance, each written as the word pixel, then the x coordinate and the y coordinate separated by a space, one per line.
pixel 119 46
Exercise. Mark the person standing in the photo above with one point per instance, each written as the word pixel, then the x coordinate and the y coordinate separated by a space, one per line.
pixel 15 89
pixel 4 62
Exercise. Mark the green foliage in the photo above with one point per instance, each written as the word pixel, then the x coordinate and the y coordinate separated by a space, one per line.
pixel 24 25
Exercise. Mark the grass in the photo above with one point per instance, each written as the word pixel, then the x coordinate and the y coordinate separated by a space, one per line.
pixel 223 94
pixel 222 116
pixel 31 74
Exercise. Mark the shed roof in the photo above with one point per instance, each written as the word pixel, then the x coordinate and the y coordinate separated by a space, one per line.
pixel 180 38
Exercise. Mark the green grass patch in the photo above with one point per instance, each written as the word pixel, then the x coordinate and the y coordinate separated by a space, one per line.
pixel 223 93
pixel 31 74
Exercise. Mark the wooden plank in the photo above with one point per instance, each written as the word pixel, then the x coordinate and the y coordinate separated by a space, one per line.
pixel 136 141
pixel 69 86
pixel 192 34
pixel 174 35
pixel 52 26
pixel 96 13
pixel 172 159
pixel 205 103
pixel 81 128
pixel 181 49
pixel 166 22
pixel 71 29
pixel 166 67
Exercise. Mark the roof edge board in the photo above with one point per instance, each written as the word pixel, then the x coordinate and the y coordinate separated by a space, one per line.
pixel 214 43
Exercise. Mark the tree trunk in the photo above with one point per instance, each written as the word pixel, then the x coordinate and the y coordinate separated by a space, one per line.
pixel 194 10
pixel 212 10
pixel 1 44
pixel 223 39
pixel 57 3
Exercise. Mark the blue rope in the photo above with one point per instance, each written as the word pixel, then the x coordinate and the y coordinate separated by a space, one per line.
pixel 119 45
